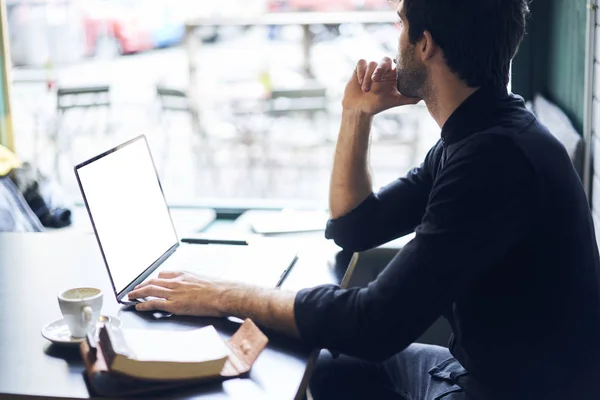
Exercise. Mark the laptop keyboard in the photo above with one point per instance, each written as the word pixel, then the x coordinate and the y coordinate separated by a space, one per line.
pixel 248 264
pixel 209 261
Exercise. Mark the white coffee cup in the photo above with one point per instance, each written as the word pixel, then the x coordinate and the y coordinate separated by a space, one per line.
pixel 81 309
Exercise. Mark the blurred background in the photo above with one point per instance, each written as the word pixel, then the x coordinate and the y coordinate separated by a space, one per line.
pixel 239 100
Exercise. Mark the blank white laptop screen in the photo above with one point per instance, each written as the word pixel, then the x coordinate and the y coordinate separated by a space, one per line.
pixel 128 209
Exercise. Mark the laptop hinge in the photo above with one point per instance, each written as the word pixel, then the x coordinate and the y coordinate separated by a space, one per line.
pixel 141 278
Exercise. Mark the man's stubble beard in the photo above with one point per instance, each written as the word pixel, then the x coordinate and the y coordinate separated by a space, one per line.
pixel 411 78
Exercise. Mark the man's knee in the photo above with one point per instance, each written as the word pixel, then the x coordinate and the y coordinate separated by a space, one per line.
pixel 323 380
pixel 348 378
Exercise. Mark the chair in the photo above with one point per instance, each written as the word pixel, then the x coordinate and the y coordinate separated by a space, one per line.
pixel 561 128
pixel 84 99
pixel 208 141
pixel 298 128
pixel 309 101
pixel 173 101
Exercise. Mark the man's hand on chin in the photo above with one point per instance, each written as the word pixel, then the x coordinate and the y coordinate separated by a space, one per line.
pixel 373 89
pixel 182 293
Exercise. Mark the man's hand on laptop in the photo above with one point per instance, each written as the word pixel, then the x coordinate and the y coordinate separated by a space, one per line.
pixel 373 88
pixel 183 293
pixel 180 293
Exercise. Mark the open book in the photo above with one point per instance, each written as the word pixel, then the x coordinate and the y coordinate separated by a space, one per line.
pixel 130 361
pixel 164 355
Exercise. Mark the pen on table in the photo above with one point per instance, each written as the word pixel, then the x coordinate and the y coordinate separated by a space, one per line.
pixel 214 241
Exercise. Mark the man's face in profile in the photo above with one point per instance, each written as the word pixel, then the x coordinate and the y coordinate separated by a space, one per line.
pixel 410 73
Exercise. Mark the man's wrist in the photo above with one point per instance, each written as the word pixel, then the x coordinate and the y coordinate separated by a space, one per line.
pixel 356 122
pixel 268 307
pixel 230 299
pixel 357 115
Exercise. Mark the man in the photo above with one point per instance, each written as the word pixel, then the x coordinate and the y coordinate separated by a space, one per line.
pixel 504 245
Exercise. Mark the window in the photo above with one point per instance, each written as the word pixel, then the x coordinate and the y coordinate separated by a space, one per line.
pixel 259 120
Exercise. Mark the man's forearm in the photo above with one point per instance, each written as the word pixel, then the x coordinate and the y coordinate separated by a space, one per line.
pixel 267 307
pixel 350 178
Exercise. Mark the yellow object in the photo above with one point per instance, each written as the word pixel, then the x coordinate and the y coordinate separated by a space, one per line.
pixel 265 79
pixel 6 128
pixel 8 161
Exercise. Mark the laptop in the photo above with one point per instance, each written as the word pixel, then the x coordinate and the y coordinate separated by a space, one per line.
pixel 135 232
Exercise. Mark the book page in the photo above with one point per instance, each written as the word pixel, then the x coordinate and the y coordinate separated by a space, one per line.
pixel 196 345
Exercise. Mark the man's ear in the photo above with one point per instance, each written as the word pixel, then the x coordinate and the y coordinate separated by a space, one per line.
pixel 427 46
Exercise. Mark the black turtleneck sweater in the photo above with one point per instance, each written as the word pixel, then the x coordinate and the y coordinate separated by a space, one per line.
pixel 504 249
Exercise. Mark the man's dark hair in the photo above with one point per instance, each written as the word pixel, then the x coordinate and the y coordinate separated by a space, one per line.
pixel 479 37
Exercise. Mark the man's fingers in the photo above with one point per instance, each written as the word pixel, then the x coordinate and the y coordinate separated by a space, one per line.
pixel 385 66
pixel 361 68
pixel 150 291
pixel 156 304
pixel 367 73
pixel 166 283
pixel 160 281
pixel 170 274
pixel 163 280
pixel 366 85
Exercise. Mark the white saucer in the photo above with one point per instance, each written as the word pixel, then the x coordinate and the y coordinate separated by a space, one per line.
pixel 58 332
